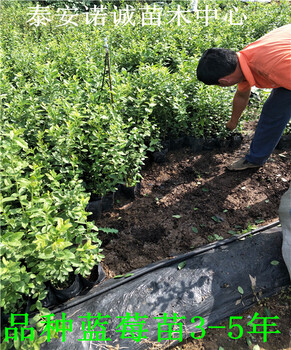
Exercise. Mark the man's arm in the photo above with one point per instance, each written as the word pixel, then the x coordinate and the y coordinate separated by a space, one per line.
pixel 239 104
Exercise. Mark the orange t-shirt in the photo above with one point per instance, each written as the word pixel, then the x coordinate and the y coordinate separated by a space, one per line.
pixel 266 63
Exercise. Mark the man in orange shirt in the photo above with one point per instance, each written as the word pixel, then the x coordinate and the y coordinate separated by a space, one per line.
pixel 266 63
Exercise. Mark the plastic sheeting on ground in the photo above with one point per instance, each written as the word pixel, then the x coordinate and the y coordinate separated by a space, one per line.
pixel 207 286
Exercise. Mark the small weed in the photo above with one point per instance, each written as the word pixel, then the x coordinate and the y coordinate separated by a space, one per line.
pixel 216 218
pixel 214 237
pixel 181 265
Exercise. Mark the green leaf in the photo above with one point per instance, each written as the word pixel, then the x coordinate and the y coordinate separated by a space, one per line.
pixel 216 219
pixel 195 229
pixel 21 143
pixel 275 262
pixel 241 291
pixel 204 189
pixel 181 265
pixel 249 341
pixel 35 319
pixel 41 340
pixel 220 348
pixel 231 232
pixel 9 199
pixel 13 239
pixel 217 237
pixel 176 216
pixel 118 276
pixel 256 347
pixel 267 312
pixel 17 343
pixel 128 275
pixel 4 346
pixel 108 230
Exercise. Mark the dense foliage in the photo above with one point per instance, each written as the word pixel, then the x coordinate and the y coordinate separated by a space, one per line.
pixel 63 139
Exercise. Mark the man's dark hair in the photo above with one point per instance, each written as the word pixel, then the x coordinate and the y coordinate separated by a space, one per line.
pixel 216 63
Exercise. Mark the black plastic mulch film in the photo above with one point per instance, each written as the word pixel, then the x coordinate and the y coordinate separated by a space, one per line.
pixel 207 286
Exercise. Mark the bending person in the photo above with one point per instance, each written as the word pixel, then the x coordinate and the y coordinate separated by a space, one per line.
pixel 265 63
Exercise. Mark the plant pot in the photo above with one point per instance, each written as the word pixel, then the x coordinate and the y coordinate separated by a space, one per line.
pixel 195 144
pixel 225 143
pixel 284 143
pixel 108 201
pixel 97 276
pixel 131 192
pixel 177 143
pixel 236 140
pixel 67 293
pixel 50 299
pixel 210 144
pixel 95 207
pixel 166 144
pixel 160 156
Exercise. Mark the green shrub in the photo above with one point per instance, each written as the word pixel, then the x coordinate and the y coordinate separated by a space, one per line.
pixel 45 233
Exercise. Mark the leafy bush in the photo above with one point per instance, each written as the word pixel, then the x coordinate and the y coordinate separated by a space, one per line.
pixel 45 233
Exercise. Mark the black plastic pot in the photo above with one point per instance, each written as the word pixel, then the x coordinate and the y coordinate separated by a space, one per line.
pixel 177 143
pixel 166 144
pixel 284 143
pixel 160 156
pixel 195 144
pixel 95 207
pixel 50 299
pixel 210 144
pixel 225 143
pixel 131 192
pixel 72 291
pixel 97 276
pixel 236 140
pixel 108 201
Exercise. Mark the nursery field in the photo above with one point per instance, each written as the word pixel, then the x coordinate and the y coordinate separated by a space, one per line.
pixel 90 92
pixel 190 200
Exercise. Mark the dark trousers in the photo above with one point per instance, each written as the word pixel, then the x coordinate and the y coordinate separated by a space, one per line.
pixel 275 115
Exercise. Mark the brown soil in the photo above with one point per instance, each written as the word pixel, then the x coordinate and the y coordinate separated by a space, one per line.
pixel 183 203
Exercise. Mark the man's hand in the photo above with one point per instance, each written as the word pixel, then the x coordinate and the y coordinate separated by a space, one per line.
pixel 231 125
pixel 239 103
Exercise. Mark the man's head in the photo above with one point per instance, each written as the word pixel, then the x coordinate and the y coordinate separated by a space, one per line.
pixel 219 66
